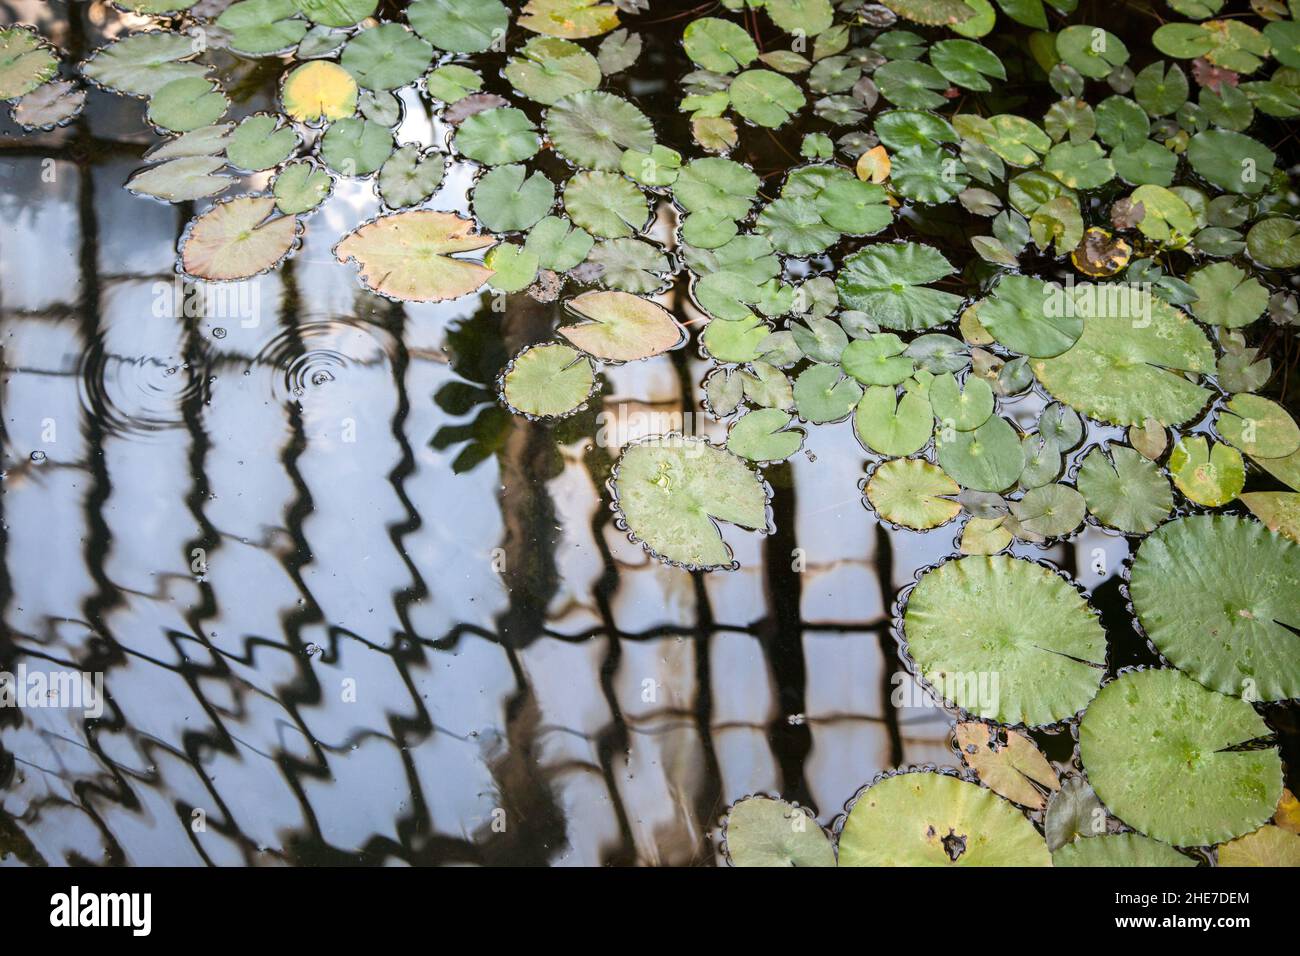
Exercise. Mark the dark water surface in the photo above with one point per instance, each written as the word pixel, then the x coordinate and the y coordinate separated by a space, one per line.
pixel 343 621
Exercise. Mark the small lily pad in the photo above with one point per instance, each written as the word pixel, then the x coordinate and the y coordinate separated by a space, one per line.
pixel 410 176
pixel 889 425
pixel 27 62
pixel 260 142
pixel 1259 427
pixel 760 831
pixel 319 90
pixel 1007 762
pixel 913 493
pixel 498 136
pixel 301 187
pixel 460 26
pixel 764 435
pixel 548 381
pixel 620 327
pixel 1206 473
pixel 237 239
pixel 989 458
pixel 671 492
pixel 1124 490
pixel 888 281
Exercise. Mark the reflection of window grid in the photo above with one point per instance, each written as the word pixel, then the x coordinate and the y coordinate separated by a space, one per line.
pixel 755 703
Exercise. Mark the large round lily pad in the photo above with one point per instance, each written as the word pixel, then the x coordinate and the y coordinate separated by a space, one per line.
pixel 410 255
pixel 671 491
pixel 1005 638
pixel 237 239
pixel 1220 598
pixel 1162 753
pixel 933 819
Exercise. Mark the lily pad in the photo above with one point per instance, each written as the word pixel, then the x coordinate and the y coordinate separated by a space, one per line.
pixel 181 180
pixel 411 255
pixel 317 91
pixel 386 57
pixel 187 104
pixel 506 199
pixel 605 204
pixel 1206 473
pixel 718 45
pixel 1259 427
pixel 1220 597
pixel 888 281
pixel 460 26
pixel 989 458
pixel 1011 618
pixel 760 831
pixel 27 62
pixel 765 98
pixel 1161 751
pixel 1231 161
pixel 1049 511
pixel 410 176
pixel 764 435
pixel 548 381
pixel 50 105
pixel 572 19
pixel 913 493
pixel 1278 510
pixel 261 142
pixel 1119 849
pixel 1227 296
pixel 620 327
pixel 262 27
pixel 889 425
pixel 301 187
pixel 1032 317
pixel 1127 365
pixel 237 239
pixel 356 147
pixel 671 492
pixel 498 136
pixel 1124 490
pixel 593 128
pixel 547 69
pixel 339 13
pixel 823 393
pixel 1268 846
pixel 141 64
pixel 932 819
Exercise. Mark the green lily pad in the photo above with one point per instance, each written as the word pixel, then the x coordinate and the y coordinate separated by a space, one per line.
pixel 1231 161
pixel 1073 811
pixel 356 147
pixel 888 282
pixel 1092 51
pixel 911 85
pixel 1259 427
pixel 1159 749
pixel 548 381
pixel 1227 296
pixel 672 491
pixel 505 201
pixel 411 175
pixel 823 393
pixel 1079 165
pixel 1278 510
pixel 719 185
pixel 889 425
pixel 718 45
pixel 932 819
pixel 967 64
pixel 451 83
pixel 878 360
pixel 1126 366
pixel 989 458
pixel 962 407
pixel 1218 597
pixel 927 174
pixel 141 64
pixel 620 327
pixel 301 187
pixel 631 265
pixel 593 128
pixel 460 26
pixel 260 142
pixel 338 13
pixel 1119 849
pixel 1012 618
pixel 514 268
pixel 1032 317
pixel 499 136
pixel 605 204
pixel 571 19
pixel 912 493
pixel 186 104
pixel 794 225
pixel 765 98
pixel 262 27
pixel 559 244
pixel 386 57
pixel 760 831
pixel 1049 511
pixel 547 69
pixel 1275 243
pixel 764 435
pixel 1209 475
pixel 1124 490
pixel 26 63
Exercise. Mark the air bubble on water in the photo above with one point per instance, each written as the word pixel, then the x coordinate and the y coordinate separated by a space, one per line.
pixel 38 456
pixel 314 650
pixel 322 377
pixel 218 333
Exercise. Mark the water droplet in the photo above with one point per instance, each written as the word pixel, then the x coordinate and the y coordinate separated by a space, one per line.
pixel 38 456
